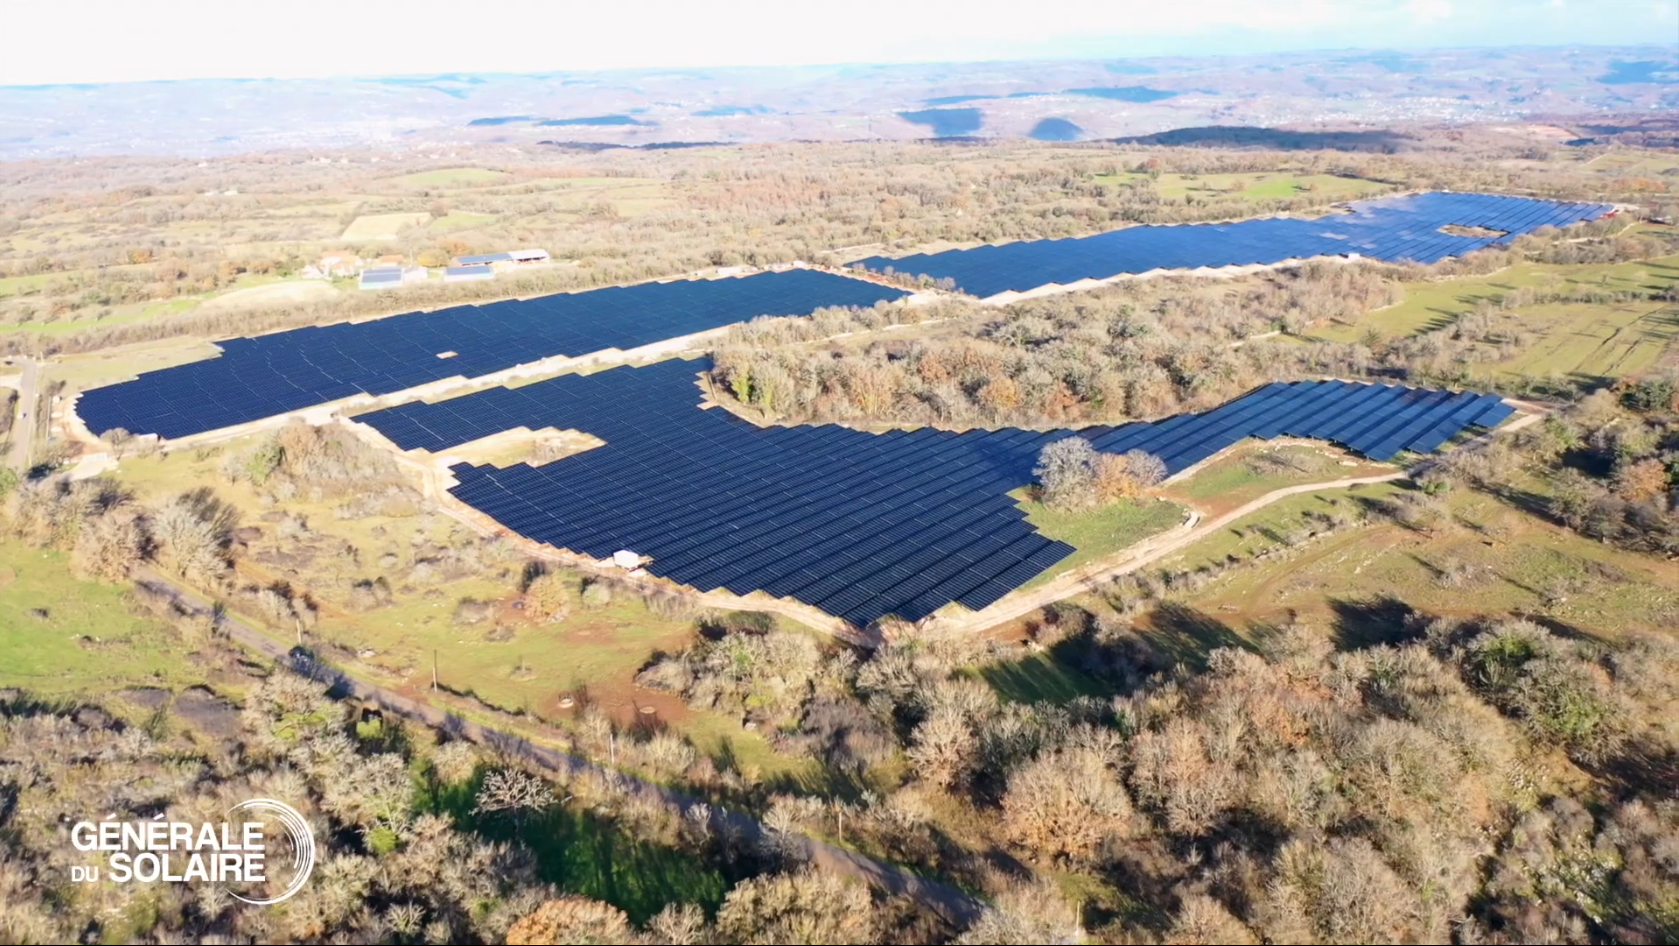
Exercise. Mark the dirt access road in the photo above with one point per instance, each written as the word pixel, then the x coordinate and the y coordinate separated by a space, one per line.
pixel 954 905
pixel 1143 553
pixel 23 428
pixel 1157 547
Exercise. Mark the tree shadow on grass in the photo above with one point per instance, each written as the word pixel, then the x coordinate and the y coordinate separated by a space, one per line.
pixel 1371 622
pixel 822 780
pixel 1185 635
pixel 1051 676
pixel 1526 500
pixel 1564 629
pixel 582 852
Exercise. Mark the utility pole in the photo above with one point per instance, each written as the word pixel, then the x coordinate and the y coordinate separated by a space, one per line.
pixel 434 671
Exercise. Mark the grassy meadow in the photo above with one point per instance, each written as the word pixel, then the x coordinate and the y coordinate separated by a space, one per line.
pixel 1589 340
pixel 1253 468
pixel 1265 185
pixel 1097 533
pixel 61 635
pixel 508 661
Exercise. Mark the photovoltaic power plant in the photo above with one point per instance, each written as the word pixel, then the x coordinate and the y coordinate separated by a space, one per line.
pixel 271 374
pixel 1392 229
pixel 857 524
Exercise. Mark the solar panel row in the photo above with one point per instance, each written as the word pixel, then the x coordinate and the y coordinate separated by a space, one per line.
pixel 860 525
pixel 1392 229
pixel 272 374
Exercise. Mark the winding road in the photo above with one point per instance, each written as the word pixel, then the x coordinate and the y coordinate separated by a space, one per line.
pixel 1192 530
pixel 1148 551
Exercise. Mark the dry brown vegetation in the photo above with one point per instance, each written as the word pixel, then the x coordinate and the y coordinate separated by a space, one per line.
pixel 399 859
pixel 1607 467
pixel 1300 794
pixel 110 239
pixel 1476 778
pixel 1137 349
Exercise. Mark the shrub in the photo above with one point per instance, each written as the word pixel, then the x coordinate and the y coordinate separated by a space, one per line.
pixel 1541 681
pixel 111 545
pixel 1145 468
pixel 1651 394
pixel 1067 803
pixel 772 673
pixel 597 594
pixel 549 597
pixel 470 611
pixel 573 919
pixel 809 907
pixel 1066 471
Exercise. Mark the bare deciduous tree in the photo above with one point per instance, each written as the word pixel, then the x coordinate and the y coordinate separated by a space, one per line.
pixel 1066 471
pixel 515 793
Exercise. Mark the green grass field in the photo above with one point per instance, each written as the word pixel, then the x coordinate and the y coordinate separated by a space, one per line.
pixel 1435 304
pixel 383 226
pixel 459 220
pixel 88 642
pixel 583 852
pixel 21 285
pixel 1097 533
pixel 1254 468
pixel 578 183
pixel 15 285
pixel 1589 340
pixel 1634 163
pixel 120 315
pixel 1266 527
pixel 1509 562
pixel 451 177
pixel 80 372
pixel 1257 186
pixel 597 650
pixel 1613 342
pixel 1036 679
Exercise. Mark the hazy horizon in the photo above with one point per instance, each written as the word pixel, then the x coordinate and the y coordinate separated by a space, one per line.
pixel 439 74
pixel 119 43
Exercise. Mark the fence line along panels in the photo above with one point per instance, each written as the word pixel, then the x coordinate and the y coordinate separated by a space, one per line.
pixel 1392 229
pixel 860 525
pixel 266 375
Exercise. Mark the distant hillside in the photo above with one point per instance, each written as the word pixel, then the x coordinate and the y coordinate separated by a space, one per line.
pixel 834 103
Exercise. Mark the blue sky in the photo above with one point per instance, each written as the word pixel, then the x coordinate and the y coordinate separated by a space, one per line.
pixel 50 41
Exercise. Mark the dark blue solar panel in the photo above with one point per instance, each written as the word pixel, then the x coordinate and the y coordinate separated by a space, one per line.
pixel 1392 229
pixel 272 374
pixel 861 525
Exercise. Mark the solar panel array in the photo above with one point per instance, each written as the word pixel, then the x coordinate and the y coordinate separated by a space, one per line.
pixel 1392 229
pixel 859 525
pixel 272 374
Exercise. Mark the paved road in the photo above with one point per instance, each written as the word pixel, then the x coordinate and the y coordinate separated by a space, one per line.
pixel 23 428
pixel 949 902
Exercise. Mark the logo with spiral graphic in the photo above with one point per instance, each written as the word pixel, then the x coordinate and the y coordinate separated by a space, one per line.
pixel 302 844
pixel 238 853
